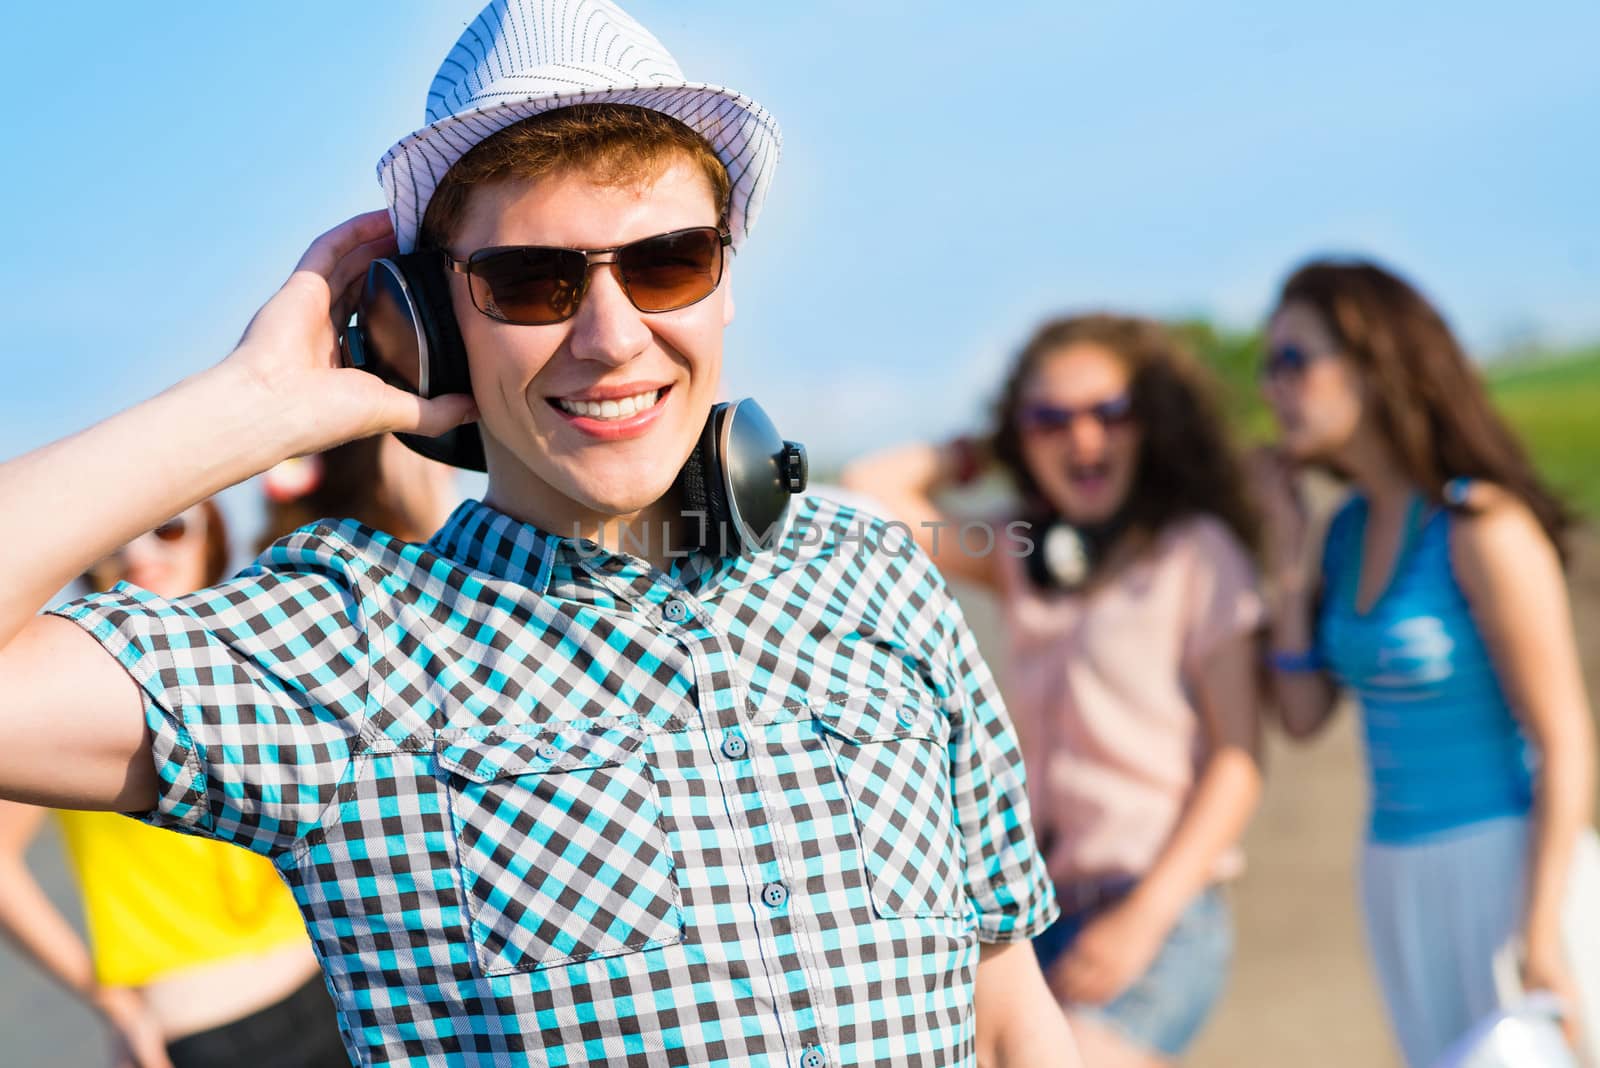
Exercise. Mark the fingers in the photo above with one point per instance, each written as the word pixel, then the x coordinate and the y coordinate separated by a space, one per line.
pixel 407 413
pixel 345 305
pixel 315 280
pixel 328 250
pixel 352 266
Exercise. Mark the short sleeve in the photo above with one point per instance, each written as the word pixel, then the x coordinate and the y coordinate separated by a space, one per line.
pixel 1224 596
pixel 1006 881
pixel 255 689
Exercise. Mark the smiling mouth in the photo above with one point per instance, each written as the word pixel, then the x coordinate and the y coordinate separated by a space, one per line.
pixel 620 408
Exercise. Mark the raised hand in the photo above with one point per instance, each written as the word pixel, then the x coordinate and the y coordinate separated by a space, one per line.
pixel 1275 482
pixel 291 350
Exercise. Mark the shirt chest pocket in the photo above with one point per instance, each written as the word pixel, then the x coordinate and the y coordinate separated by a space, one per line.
pixel 892 754
pixel 560 843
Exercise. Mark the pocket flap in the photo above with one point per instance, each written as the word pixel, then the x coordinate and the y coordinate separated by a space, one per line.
pixel 484 754
pixel 880 716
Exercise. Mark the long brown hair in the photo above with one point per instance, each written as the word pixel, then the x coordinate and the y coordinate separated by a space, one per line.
pixel 1187 462
pixel 1428 399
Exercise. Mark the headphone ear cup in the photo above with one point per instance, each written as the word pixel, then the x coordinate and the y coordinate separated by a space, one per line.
pixel 446 355
pixel 1063 558
pixel 448 371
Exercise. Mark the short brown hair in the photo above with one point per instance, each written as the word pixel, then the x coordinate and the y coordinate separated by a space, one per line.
pixel 616 144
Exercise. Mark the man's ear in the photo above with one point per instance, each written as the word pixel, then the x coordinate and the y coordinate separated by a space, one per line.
pixel 727 294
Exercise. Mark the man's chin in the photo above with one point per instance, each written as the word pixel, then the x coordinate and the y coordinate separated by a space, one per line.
pixel 616 501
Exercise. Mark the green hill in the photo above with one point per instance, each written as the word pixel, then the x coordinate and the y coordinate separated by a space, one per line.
pixel 1555 406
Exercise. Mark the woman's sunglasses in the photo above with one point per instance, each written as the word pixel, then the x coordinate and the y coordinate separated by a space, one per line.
pixel 174 529
pixel 536 285
pixel 171 532
pixel 1286 361
pixel 1043 418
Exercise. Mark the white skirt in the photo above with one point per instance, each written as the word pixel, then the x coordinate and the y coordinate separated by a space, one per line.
pixel 1438 915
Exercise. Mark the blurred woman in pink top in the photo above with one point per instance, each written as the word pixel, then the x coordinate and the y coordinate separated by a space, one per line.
pixel 1129 596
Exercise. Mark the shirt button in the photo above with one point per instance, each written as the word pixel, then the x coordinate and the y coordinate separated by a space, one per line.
pixel 548 752
pixel 812 1058
pixel 775 894
pixel 675 610
pixel 734 746
pixel 906 715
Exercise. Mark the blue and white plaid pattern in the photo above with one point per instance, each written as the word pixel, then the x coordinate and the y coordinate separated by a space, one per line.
pixel 542 803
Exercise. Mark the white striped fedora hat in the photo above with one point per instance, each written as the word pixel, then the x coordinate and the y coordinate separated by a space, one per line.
pixel 519 58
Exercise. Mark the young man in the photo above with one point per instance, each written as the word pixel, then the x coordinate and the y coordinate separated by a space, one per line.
pixel 542 800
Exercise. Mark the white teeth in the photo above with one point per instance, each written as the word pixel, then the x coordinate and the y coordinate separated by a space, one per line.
pixel 611 409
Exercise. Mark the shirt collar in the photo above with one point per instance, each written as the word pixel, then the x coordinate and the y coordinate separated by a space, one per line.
pixel 486 539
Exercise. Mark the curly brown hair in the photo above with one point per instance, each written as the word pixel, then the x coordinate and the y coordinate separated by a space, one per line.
pixel 1187 465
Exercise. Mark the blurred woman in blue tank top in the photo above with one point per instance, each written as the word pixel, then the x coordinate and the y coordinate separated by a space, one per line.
pixel 1440 604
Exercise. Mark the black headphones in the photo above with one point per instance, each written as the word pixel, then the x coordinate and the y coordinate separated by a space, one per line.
pixel 740 476
pixel 1065 557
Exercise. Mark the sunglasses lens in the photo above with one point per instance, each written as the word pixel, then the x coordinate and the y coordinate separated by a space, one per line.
pixel 172 530
pixel 530 286
pixel 672 270
pixel 1286 360
pixel 1114 412
pixel 1044 417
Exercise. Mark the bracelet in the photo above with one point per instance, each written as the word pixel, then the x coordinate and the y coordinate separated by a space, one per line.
pixel 1300 663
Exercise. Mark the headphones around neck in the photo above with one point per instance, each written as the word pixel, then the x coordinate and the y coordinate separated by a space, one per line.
pixel 739 478
pixel 1066 557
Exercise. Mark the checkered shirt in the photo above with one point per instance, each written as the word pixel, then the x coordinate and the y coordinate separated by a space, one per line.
pixel 544 803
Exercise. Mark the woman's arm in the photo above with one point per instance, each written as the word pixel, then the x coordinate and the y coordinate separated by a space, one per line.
pixel 70 717
pixel 1512 579
pixel 1116 949
pixel 31 921
pixel 1304 700
pixel 1229 787
pixel 905 479
pixel 27 916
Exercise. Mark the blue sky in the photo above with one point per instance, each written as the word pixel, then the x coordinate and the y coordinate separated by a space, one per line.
pixel 951 172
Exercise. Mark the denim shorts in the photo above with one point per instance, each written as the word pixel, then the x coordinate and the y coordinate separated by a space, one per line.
pixel 1166 1007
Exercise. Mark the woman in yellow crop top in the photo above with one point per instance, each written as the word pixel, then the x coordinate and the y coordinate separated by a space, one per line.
pixel 200 957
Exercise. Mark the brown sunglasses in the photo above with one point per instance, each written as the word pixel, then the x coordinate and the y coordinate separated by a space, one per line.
pixel 536 285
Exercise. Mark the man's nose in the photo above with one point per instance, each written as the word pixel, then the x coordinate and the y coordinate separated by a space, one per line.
pixel 608 328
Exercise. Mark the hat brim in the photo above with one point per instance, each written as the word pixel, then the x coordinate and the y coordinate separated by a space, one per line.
pixel 741 132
